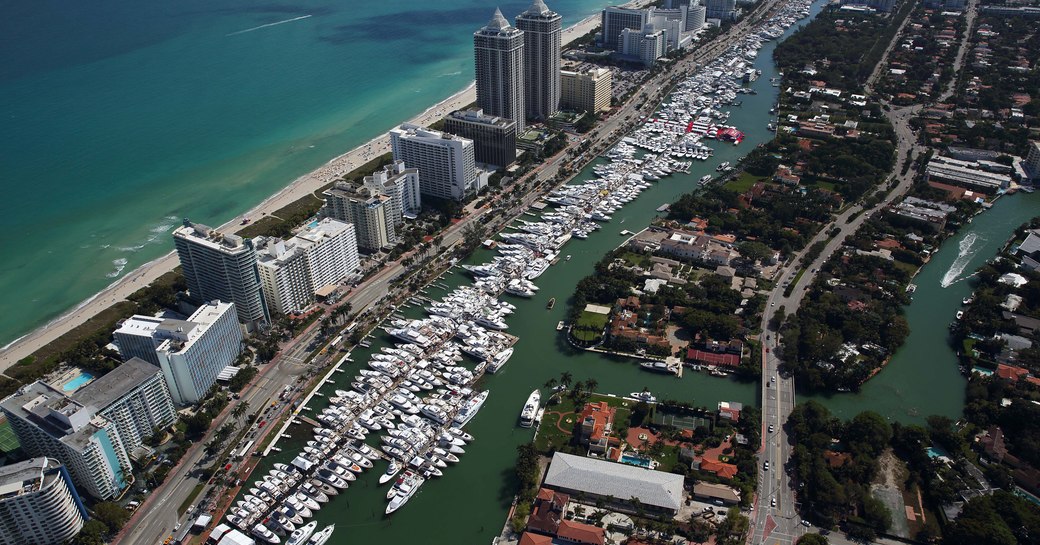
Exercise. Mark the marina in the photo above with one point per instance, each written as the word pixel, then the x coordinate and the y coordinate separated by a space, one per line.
pixel 490 271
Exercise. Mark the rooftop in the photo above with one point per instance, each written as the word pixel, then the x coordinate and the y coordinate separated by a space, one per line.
pixel 52 412
pixel 102 392
pixel 24 477
pixel 654 488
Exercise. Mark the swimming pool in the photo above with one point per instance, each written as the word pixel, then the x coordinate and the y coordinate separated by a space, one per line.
pixel 634 460
pixel 83 378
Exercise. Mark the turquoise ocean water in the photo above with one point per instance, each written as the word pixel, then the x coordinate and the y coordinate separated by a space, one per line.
pixel 118 118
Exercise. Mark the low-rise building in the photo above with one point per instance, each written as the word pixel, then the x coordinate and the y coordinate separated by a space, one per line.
pixel 968 174
pixel 923 212
pixel 658 492
pixel 38 504
pixel 713 491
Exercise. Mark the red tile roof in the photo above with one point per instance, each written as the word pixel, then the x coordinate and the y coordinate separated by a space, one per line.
pixel 1010 372
pixel 581 533
pixel 711 358
pixel 535 539
pixel 722 469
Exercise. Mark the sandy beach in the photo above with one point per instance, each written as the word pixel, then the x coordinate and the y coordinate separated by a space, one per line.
pixel 308 183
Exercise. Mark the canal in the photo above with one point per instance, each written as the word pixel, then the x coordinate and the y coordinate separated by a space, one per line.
pixel 470 502
pixel 922 379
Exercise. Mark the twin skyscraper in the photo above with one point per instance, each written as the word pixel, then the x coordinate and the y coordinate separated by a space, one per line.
pixel 518 68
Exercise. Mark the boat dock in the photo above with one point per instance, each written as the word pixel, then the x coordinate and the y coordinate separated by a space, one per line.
pixel 297 413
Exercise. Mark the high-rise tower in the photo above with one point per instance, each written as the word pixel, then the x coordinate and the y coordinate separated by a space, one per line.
pixel 542 29
pixel 221 266
pixel 499 54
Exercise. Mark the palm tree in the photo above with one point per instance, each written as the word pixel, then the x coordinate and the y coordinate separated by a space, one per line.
pixel 590 385
pixel 566 378
pixel 240 409
pixel 550 384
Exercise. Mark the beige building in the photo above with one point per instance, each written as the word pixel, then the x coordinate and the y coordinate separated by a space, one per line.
pixel 585 91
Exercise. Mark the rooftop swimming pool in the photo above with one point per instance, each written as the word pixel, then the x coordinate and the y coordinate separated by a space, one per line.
pixel 74 384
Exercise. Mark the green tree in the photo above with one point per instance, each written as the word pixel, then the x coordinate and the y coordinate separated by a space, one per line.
pixel 111 515
pixel 93 533
pixel 812 539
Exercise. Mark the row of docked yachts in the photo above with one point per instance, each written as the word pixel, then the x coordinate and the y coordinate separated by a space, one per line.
pixel 696 109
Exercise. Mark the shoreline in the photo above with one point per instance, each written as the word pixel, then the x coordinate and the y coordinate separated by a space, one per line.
pixel 120 289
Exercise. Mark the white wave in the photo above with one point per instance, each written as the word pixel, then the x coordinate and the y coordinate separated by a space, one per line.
pixel 449 74
pixel 130 248
pixel 120 265
pixel 162 228
pixel 267 25
pixel 967 250
pixel 8 345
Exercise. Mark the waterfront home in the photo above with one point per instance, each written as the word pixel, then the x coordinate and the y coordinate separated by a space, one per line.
pixel 578 532
pixel 597 423
pixel 547 512
pixel 659 493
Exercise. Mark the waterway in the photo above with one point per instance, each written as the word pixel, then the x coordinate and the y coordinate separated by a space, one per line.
pixel 469 503
pixel 922 379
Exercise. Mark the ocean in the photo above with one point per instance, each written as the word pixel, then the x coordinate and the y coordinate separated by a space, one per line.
pixel 120 118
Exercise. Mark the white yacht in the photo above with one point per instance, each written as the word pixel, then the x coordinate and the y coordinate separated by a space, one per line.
pixel 470 408
pixel 390 473
pixel 499 360
pixel 301 535
pixel 530 411
pixel 403 490
pixel 323 536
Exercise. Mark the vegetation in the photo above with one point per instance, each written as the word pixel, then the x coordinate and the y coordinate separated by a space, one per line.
pixel 1000 519
pixel 837 491
pixel 838 44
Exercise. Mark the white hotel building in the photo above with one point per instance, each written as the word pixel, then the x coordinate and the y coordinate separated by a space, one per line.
pixel 319 256
pixel 38 503
pixel 198 349
pixel 446 163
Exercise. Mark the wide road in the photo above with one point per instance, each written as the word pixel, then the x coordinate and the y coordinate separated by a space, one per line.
pixel 776 519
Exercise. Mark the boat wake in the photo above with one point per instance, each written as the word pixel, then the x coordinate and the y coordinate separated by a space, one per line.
pixel 276 23
pixel 967 251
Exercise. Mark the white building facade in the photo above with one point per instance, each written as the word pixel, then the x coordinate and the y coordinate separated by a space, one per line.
pixel 446 163
pixel 39 504
pixel 221 266
pixel 192 358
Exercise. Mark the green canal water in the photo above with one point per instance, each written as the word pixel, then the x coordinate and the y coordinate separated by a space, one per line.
pixel 470 502
pixel 922 379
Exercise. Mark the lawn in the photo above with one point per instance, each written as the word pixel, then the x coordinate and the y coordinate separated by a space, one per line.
pixel 551 437
pixel 744 182
pixel 589 327
pixel 637 260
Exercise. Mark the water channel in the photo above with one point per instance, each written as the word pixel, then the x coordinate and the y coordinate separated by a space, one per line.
pixel 469 504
